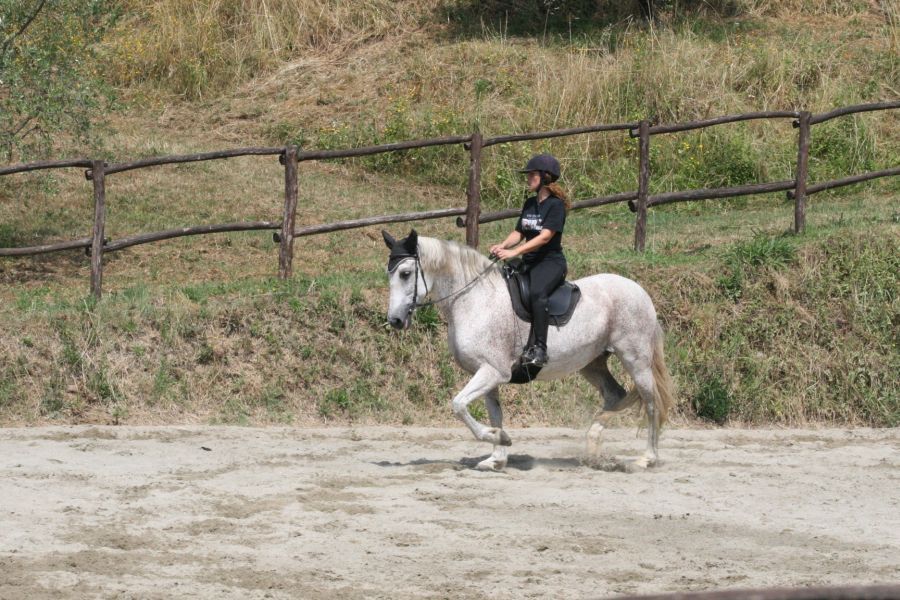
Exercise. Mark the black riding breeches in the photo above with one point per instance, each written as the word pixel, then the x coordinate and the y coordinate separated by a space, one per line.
pixel 545 276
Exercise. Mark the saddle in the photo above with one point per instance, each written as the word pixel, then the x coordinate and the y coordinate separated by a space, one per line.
pixel 562 301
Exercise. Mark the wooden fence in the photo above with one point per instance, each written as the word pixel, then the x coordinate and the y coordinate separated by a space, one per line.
pixel 469 217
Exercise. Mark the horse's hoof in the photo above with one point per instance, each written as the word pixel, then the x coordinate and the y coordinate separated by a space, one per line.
pixel 640 464
pixel 491 464
pixel 635 466
pixel 505 439
pixel 593 441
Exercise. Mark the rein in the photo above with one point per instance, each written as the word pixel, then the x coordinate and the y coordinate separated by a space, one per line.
pixel 416 304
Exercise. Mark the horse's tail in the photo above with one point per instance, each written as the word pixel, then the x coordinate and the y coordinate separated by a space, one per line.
pixel 664 391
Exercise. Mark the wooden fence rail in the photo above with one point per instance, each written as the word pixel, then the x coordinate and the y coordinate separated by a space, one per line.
pixel 470 217
pixel 45 164
pixel 589 203
pixel 441 213
pixel 836 183
pixel 850 110
pixel 188 158
pixel 656 129
pixel 158 236
pixel 370 150
pixel 543 135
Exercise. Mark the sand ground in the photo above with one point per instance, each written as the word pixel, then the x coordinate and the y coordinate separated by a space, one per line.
pixel 375 512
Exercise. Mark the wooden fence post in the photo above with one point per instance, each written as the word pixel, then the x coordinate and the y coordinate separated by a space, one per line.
pixel 286 251
pixel 640 226
pixel 802 172
pixel 98 173
pixel 473 192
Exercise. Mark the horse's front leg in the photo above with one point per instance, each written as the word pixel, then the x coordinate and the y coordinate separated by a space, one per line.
pixel 485 381
pixel 497 460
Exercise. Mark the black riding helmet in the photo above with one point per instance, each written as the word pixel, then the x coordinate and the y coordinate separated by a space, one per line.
pixel 546 164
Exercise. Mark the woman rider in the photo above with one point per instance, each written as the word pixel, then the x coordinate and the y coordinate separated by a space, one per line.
pixel 540 226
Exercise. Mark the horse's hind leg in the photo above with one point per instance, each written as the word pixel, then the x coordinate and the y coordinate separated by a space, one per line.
pixel 640 366
pixel 643 382
pixel 497 460
pixel 614 397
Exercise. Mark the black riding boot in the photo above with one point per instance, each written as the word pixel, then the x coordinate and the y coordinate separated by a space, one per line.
pixel 536 354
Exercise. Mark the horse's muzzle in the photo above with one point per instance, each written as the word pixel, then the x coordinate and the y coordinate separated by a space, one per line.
pixel 398 323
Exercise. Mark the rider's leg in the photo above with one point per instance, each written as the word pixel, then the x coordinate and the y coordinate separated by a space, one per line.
pixel 545 276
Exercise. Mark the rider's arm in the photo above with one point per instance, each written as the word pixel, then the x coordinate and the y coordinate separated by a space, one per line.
pixel 536 242
pixel 511 240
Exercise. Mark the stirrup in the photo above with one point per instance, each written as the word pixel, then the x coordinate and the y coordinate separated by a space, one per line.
pixel 534 355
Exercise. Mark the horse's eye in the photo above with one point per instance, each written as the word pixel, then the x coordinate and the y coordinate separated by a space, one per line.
pixel 404 274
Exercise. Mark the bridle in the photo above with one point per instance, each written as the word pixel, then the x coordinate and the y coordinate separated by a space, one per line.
pixel 398 258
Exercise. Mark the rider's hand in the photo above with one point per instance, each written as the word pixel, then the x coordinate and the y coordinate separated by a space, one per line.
pixel 506 254
pixel 496 248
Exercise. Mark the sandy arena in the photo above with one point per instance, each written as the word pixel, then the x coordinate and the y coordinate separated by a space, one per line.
pixel 132 512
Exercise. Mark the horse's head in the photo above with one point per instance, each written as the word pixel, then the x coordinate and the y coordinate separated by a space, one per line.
pixel 405 277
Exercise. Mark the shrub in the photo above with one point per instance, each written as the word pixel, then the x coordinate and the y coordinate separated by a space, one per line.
pixel 48 84
pixel 713 400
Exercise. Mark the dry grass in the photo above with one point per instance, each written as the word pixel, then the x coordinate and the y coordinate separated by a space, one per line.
pixel 401 87
pixel 195 330
pixel 201 46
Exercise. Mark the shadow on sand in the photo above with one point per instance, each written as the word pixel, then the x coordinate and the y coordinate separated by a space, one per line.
pixel 519 462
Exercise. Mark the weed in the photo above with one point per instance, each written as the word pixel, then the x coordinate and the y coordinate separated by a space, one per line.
pixel 234 411
pixel 52 400
pixel 335 401
pixel 761 251
pixel 427 318
pixel 163 380
pixel 414 393
pixel 272 398
pixel 32 300
pixel 478 411
pixel 447 372
pixel 102 386
pixel 839 148
pixel 712 401
pixel 71 354
pixel 9 391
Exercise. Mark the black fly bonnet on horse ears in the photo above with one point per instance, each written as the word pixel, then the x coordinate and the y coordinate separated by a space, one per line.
pixel 408 247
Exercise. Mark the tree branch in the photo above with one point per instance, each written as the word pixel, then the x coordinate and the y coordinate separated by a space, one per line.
pixel 8 42
pixel 25 122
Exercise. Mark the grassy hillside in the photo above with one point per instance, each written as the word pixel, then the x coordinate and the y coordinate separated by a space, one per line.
pixel 361 73
pixel 762 326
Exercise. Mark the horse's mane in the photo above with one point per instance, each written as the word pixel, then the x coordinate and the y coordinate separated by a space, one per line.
pixel 442 256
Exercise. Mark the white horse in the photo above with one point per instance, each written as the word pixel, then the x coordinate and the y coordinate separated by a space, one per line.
pixel 615 316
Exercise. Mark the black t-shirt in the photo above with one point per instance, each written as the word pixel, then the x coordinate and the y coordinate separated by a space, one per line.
pixel 549 214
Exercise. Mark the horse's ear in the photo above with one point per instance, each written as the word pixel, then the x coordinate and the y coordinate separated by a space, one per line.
pixel 389 240
pixel 411 243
